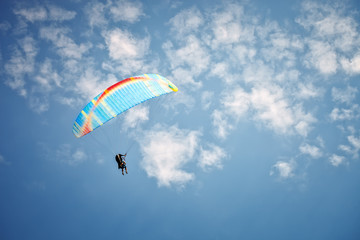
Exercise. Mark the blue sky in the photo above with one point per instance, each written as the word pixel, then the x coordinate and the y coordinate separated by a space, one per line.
pixel 262 140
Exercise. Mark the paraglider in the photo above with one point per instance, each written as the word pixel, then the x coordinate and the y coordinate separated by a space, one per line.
pixel 120 159
pixel 118 98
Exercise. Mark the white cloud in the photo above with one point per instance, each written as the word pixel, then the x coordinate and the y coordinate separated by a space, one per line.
pixel 330 22
pixel 91 83
pixel 182 97
pixel 304 121
pixel 21 63
pixel 228 27
pixel 136 116
pixel 47 77
pixel 184 77
pixel 272 109
pixel 69 101
pixel 220 69
pixel 40 13
pixel 308 91
pixel 311 150
pixel 123 46
pixel 281 46
pixel 192 55
pixel 268 106
pixel 187 21
pixel 342 114
pixel 206 99
pixel 336 160
pixel 4 26
pixel 355 142
pixel 221 124
pixel 322 57
pixel 351 66
pixel 258 72
pixel 95 11
pixel 128 53
pixel 354 147
pixel 244 53
pixel 333 36
pixel 236 102
pixel 226 31
pixel 65 46
pixel 73 157
pixel 60 14
pixel 284 169
pixel 39 104
pixel 211 158
pixel 100 14
pixel 344 95
pixel 345 148
pixel 166 150
pixel 77 157
pixel 222 72
pixel 128 11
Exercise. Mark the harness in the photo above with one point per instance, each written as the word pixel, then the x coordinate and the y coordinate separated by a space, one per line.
pixel 121 161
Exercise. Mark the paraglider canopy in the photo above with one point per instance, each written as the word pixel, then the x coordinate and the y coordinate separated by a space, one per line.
pixel 118 98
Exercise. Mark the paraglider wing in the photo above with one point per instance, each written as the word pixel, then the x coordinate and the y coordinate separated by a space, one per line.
pixel 118 98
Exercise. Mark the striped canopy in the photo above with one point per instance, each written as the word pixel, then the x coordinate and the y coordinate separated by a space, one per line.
pixel 118 98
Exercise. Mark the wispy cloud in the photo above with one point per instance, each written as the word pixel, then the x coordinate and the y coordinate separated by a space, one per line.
pixel 342 114
pixel 322 56
pixel 351 65
pixel 352 147
pixel 206 99
pixel 3 161
pixel 48 78
pixel 284 169
pixel 268 106
pixel 123 45
pixel 307 91
pixel 344 95
pixel 186 22
pixel 65 46
pixel 4 26
pixel 59 14
pixel 230 26
pixel 221 123
pixel 95 12
pixel 128 11
pixel 68 155
pixel 92 82
pixel 333 37
pixel 337 160
pixel 21 64
pixel 38 13
pixel 166 151
pixel 311 150
pixel 192 55
pixel 211 157
pixel 135 116
pixel 355 142
pixel 127 50
pixel 39 104
pixel 101 14
pixel 41 13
